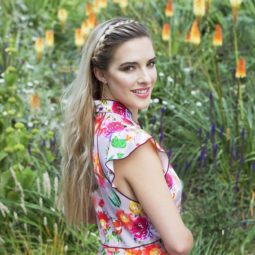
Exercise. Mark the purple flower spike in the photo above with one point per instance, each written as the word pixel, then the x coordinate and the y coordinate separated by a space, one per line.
pixel 161 137
pixel 163 109
pixel 187 165
pixel 169 153
pixel 236 153
pixel 211 97
pixel 242 134
pixel 215 149
pixel 213 129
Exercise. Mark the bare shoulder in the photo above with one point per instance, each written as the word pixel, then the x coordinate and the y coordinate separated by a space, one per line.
pixel 143 171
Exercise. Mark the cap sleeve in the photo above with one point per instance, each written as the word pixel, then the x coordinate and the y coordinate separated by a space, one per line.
pixel 123 142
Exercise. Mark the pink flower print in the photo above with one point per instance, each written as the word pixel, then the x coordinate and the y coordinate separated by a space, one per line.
pixel 140 228
pixel 101 203
pixel 169 179
pixel 112 127
pixel 118 108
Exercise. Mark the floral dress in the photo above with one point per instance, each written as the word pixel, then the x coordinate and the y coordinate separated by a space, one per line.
pixel 124 227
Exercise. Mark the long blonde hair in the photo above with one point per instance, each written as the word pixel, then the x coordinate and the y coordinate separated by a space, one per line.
pixel 78 179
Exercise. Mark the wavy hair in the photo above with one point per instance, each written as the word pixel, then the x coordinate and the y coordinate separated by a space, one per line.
pixel 77 137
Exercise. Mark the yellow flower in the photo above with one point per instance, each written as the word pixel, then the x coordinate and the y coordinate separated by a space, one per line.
pixel 103 3
pixel 62 15
pixel 235 3
pixel 49 38
pixel 135 207
pixel 79 40
pixel 199 8
pixel 96 6
pixel 123 3
pixel 39 47
pixel 85 28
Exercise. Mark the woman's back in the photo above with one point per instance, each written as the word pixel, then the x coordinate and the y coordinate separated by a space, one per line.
pixel 122 222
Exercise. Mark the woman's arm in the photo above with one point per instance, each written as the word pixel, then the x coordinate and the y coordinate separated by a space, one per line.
pixel 142 169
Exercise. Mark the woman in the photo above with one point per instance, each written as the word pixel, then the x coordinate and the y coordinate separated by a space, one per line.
pixel 129 188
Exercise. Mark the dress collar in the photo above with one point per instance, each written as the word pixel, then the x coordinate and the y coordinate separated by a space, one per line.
pixel 109 105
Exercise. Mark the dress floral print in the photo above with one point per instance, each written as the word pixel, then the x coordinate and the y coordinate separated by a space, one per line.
pixel 124 227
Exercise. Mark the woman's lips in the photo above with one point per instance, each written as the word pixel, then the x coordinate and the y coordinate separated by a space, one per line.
pixel 141 93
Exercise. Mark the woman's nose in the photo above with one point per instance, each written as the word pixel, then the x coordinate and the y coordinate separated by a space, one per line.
pixel 144 77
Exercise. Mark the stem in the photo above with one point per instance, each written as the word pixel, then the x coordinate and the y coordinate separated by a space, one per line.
pixel 218 88
pixel 238 83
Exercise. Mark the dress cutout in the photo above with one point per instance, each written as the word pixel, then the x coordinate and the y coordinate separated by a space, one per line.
pixel 124 227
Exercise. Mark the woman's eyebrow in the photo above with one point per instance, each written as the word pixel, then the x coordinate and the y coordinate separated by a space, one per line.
pixel 133 63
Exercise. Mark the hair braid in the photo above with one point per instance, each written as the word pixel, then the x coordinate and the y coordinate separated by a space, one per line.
pixel 108 31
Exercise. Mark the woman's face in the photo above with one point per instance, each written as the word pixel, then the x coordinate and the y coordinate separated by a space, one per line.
pixel 131 74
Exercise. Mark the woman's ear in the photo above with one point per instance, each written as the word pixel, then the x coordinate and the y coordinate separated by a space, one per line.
pixel 99 74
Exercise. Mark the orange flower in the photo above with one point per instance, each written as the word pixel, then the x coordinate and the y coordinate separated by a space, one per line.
pixel 169 10
pixel 49 38
pixel 92 20
pixel 195 37
pixel 35 101
pixel 166 32
pixel 39 47
pixel 199 8
pixel 133 251
pixel 85 28
pixel 124 218
pixel 62 16
pixel 153 249
pixel 217 37
pixel 88 9
pixel 241 68
pixel 79 40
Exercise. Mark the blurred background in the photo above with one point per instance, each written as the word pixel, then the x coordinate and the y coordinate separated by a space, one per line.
pixel 202 112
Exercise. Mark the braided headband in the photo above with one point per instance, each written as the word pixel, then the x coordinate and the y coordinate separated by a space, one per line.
pixel 108 31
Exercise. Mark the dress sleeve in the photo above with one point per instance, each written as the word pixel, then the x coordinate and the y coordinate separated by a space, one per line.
pixel 123 142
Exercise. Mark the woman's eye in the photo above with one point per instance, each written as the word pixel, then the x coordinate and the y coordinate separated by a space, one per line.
pixel 128 68
pixel 152 64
